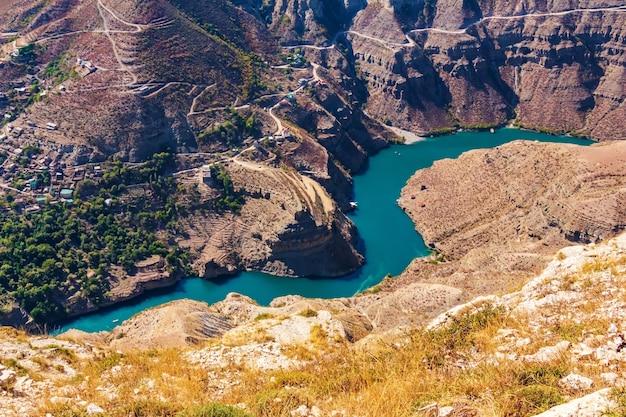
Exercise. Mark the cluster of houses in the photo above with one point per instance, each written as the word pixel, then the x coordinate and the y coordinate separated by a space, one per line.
pixel 39 172
pixel 21 90
pixel 296 60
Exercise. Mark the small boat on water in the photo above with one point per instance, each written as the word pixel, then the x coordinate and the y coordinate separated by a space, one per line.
pixel 116 320
pixel 353 204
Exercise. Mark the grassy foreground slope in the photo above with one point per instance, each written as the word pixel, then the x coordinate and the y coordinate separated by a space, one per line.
pixel 514 355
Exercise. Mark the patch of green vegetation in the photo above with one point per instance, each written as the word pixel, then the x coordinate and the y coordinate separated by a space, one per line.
pixel 569 331
pixel 618 397
pixel 578 134
pixel 372 290
pixel 541 374
pixel 266 405
pixel 230 200
pixel 266 9
pixel 109 361
pixel 13 364
pixel 438 257
pixel 74 249
pixel 27 54
pixel 531 400
pixel 480 126
pixel 442 131
pixel 31 150
pixel 21 178
pixel 263 316
pixel 213 410
pixel 151 408
pixel 66 410
pixel 548 131
pixel 59 70
pixel 233 130
pixel 61 351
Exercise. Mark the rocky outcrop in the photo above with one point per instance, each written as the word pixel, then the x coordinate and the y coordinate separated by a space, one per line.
pixel 592 405
pixel 237 319
pixel 15 316
pixel 495 217
pixel 288 226
pixel 308 21
pixel 177 323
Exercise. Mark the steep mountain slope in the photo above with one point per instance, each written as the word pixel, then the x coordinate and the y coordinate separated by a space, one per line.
pixel 418 66
pixel 556 68
pixel 496 217
pixel 302 92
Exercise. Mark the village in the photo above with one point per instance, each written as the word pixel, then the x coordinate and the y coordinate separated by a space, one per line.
pixel 36 171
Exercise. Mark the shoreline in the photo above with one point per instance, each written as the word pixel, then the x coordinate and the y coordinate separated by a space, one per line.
pixel 306 287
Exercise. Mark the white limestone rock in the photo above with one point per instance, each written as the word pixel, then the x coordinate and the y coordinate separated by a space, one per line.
pixel 94 409
pixel 7 377
pixel 592 405
pixel 304 411
pixel 576 382
pixel 445 411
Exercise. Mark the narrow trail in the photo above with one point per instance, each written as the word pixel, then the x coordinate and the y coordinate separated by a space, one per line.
pixel 107 33
pixel 411 43
pixel 279 123
pixel 163 87
pixel 196 98
pixel 523 16
pixel 138 27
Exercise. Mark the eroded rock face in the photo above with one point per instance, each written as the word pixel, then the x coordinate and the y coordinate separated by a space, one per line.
pixel 288 226
pixel 499 215
pixel 179 323
pixel 475 64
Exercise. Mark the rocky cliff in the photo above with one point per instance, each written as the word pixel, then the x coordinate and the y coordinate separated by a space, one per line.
pixel 288 226
pixel 497 216
pixel 427 68
pixel 420 66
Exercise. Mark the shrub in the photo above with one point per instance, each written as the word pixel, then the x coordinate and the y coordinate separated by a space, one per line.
pixel 213 410
pixel 308 313
pixel 278 403
pixel 618 396
pixel 532 399
pixel 263 316
pixel 151 408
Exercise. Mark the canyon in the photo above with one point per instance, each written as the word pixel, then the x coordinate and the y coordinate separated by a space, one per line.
pixel 268 108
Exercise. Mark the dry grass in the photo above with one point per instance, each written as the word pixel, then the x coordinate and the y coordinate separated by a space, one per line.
pixel 472 362
pixel 396 380
pixel 452 365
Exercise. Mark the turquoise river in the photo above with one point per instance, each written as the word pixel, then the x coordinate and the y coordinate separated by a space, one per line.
pixel 388 235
